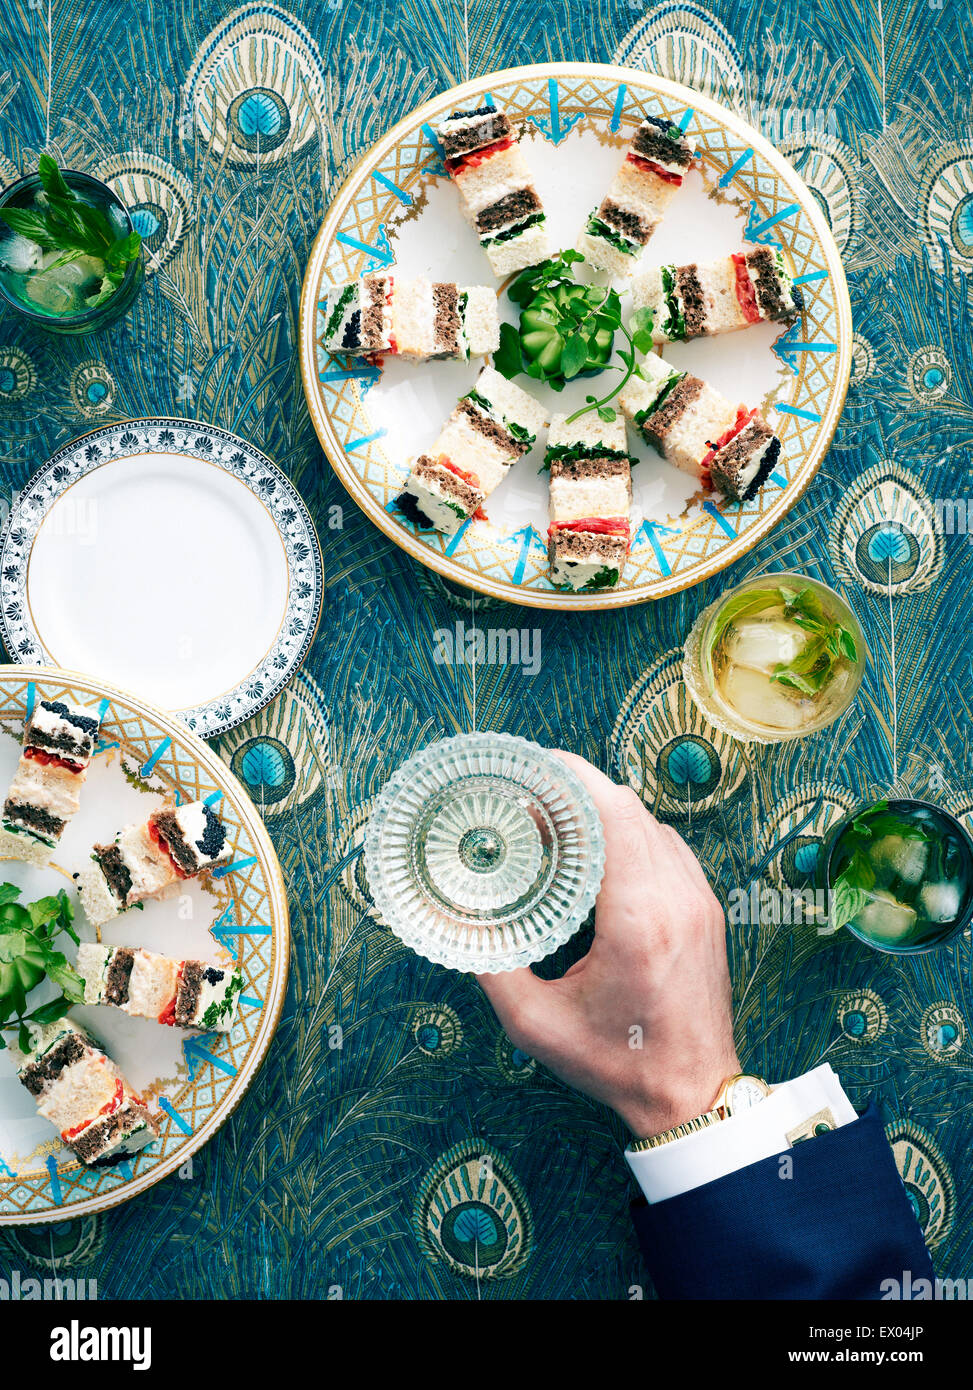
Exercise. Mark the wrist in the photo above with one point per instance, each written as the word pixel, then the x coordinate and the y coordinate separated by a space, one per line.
pixel 675 1100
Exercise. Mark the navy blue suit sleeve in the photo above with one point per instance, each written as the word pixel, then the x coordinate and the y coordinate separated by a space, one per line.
pixel 836 1227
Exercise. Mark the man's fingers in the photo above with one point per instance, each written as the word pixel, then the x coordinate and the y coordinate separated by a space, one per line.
pixel 638 852
pixel 690 862
pixel 524 1004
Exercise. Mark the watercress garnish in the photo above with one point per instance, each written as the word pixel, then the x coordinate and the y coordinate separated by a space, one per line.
pixel 28 956
pixel 567 329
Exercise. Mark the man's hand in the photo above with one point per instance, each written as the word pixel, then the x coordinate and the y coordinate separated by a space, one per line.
pixel 643 1022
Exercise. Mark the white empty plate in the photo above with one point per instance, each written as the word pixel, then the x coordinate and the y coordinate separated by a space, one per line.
pixel 170 558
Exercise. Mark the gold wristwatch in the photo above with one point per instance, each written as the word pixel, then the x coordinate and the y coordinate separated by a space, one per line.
pixel 738 1093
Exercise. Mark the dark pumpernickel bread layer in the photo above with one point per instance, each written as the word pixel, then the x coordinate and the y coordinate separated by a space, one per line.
pixel 446 320
pixel 491 429
pixel 187 996
pixel 654 141
pixel 90 1142
pixel 170 830
pixel 77 741
pixel 575 547
pixel 371 314
pixel 513 207
pixel 765 275
pixel 428 470
pixel 115 869
pixel 491 126
pixel 593 466
pixel 118 976
pixel 65 1053
pixel 730 461
pixel 679 400
pixel 693 300
pixel 35 816
pixel 631 226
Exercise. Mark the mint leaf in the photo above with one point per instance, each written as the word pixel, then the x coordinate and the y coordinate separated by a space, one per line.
pixel 52 180
pixel 849 892
pixel 30 224
pixel 753 602
pixel 847 644
pixel 123 251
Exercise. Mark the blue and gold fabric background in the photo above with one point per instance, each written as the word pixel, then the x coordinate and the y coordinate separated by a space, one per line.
pixel 354 1165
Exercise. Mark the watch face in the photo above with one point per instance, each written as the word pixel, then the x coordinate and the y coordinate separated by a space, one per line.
pixel 744 1092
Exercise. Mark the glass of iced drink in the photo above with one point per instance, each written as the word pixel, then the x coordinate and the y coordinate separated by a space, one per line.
pixel 899 876
pixel 61 288
pixel 776 658
pixel 484 852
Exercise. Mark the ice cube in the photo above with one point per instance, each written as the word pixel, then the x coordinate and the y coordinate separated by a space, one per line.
pixel 118 220
pixel 940 902
pixel 48 293
pixel 884 918
pixel 893 855
pixel 760 646
pixel 759 700
pixel 61 289
pixel 19 254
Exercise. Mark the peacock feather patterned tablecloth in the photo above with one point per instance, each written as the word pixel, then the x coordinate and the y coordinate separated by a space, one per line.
pixel 395 1144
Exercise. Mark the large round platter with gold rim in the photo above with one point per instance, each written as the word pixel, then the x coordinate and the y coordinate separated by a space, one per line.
pixel 191 1081
pixel 398 209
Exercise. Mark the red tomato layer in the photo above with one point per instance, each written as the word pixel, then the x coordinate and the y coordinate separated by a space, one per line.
pixel 168 1014
pixel 650 166
pixel 41 755
pixel 469 478
pixel 469 161
pixel 596 525
pixel 746 295
pixel 108 1108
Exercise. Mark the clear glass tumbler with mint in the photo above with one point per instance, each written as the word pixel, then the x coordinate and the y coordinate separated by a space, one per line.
pixel 70 257
pixel 899 876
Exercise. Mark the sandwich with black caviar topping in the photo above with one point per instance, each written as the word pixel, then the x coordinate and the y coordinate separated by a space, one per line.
pixel 492 426
pixel 483 157
pixel 175 843
pixel 727 447
pixel 58 743
pixel 721 296
pixel 419 319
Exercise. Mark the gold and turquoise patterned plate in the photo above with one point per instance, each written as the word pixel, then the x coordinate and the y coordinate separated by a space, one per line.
pixel 192 1082
pixel 398 209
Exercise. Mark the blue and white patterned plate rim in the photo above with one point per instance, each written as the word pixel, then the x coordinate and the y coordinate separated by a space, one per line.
pixel 211 444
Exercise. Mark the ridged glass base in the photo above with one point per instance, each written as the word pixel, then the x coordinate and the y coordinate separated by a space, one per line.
pixel 484 852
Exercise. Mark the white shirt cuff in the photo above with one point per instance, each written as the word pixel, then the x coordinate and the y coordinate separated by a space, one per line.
pixel 734 1143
